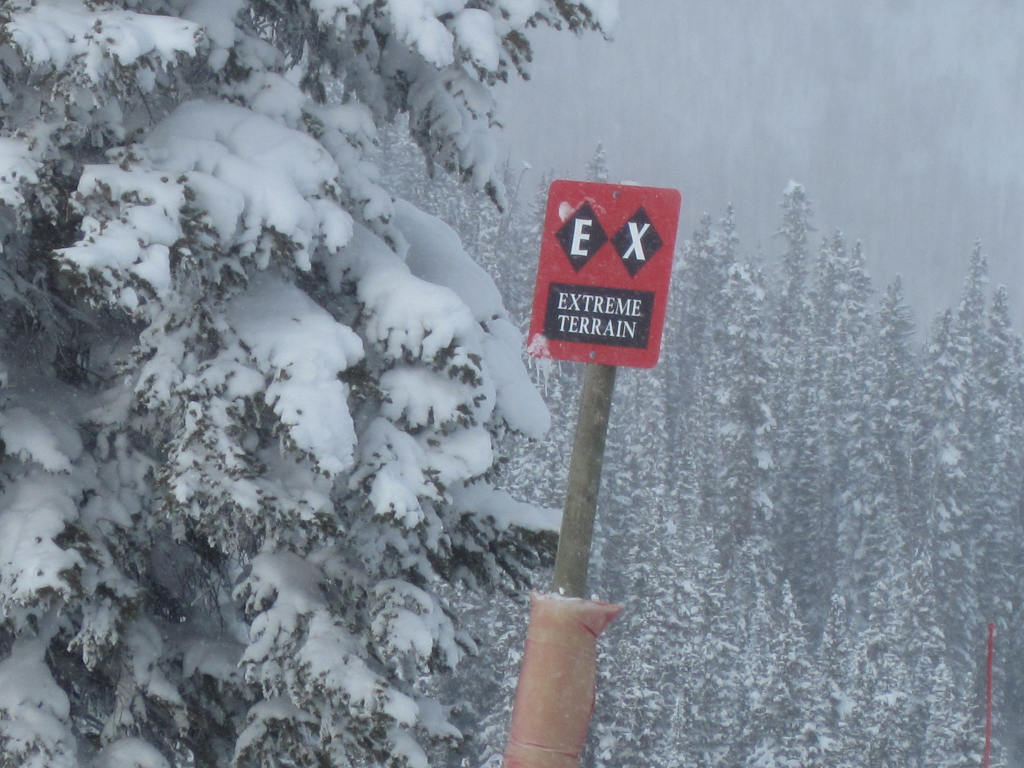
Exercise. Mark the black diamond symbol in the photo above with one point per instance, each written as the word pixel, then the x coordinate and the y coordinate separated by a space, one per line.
pixel 581 236
pixel 637 241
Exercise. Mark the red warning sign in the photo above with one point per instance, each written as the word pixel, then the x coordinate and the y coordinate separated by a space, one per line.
pixel 605 265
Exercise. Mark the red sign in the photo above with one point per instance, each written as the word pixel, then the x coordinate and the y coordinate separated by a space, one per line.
pixel 605 264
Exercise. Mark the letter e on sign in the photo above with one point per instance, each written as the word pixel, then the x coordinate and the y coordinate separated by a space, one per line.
pixel 603 279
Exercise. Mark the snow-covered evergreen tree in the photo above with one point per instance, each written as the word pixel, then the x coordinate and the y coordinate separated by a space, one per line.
pixel 925 644
pixel 835 664
pixel 891 404
pixel 597 166
pixel 880 715
pixel 790 336
pixel 950 739
pixel 790 713
pixel 744 424
pixel 842 325
pixel 250 400
pixel 660 561
pixel 714 710
pixel 1001 459
pixel 941 452
pixel 874 501
pixel 802 528
pixel 794 308
pixel 1001 571
pixel 701 276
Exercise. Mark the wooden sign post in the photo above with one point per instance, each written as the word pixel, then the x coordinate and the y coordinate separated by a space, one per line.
pixel 577 531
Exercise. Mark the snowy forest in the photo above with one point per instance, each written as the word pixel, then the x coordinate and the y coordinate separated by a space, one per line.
pixel 811 508
pixel 276 476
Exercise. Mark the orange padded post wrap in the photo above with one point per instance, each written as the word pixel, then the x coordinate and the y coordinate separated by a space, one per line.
pixel 555 695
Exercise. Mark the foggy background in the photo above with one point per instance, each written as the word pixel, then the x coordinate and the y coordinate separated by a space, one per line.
pixel 903 120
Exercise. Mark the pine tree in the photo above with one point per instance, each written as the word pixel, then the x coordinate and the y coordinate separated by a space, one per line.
pixel 250 401
pixel 702 276
pixel 940 454
pixel 800 476
pixel 835 662
pixel 875 498
pixel 792 713
pixel 794 308
pixel 791 338
pixel 597 166
pixel 970 334
pixel 715 710
pixel 804 527
pixel 896 371
pixel 660 561
pixel 827 397
pixel 955 463
pixel 700 681
pixel 849 442
pixel 1000 458
pixel 697 281
pixel 1001 577
pixel 951 738
pixel 925 644
pixel 880 714
pixel 741 373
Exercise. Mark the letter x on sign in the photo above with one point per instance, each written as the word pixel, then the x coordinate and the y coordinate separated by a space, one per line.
pixel 637 242
pixel 604 248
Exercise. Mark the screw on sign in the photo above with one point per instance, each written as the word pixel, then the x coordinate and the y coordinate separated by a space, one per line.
pixel 605 264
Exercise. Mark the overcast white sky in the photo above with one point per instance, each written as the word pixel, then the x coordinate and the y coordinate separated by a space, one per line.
pixel 904 119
